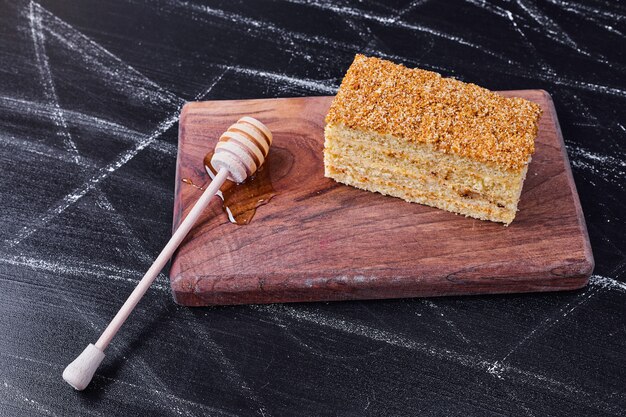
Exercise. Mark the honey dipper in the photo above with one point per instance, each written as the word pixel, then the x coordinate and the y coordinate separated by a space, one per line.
pixel 241 150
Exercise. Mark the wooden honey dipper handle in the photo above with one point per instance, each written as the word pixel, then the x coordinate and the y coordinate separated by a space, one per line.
pixel 241 150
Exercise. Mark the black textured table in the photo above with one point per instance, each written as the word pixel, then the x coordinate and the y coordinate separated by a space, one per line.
pixel 90 94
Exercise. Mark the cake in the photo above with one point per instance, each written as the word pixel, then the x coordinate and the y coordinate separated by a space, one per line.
pixel 415 135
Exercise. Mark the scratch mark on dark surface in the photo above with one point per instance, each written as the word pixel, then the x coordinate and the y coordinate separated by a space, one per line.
pixel 414 4
pixel 438 311
pixel 392 22
pixel 552 29
pixel 20 397
pixel 312 85
pixel 78 269
pixel 43 110
pixel 34 18
pixel 608 283
pixel 588 13
pixel 544 326
pixel 117 72
pixel 469 361
pixel 153 392
pixel 103 173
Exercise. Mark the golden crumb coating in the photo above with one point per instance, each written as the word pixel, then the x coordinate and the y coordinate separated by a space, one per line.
pixel 423 107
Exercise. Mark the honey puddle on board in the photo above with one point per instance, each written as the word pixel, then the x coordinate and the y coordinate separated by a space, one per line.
pixel 242 200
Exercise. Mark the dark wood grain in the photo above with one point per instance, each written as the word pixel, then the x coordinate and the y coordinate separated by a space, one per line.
pixel 318 240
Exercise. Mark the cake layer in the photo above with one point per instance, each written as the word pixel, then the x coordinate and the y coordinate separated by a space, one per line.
pixel 421 162
pixel 425 183
pixel 432 194
pixel 418 173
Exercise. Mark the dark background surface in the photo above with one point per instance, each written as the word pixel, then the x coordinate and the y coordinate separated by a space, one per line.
pixel 89 98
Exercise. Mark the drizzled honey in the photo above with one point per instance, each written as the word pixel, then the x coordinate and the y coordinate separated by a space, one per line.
pixel 242 200
pixel 188 181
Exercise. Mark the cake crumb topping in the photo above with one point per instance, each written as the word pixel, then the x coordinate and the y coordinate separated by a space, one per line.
pixel 424 107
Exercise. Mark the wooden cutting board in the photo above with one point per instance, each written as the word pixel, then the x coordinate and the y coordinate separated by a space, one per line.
pixel 319 240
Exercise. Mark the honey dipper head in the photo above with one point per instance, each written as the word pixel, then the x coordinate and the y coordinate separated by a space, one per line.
pixel 242 149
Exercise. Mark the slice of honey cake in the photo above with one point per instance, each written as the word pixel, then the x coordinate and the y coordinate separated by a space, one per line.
pixel 412 134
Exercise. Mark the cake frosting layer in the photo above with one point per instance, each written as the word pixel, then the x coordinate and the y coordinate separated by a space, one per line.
pixel 421 106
